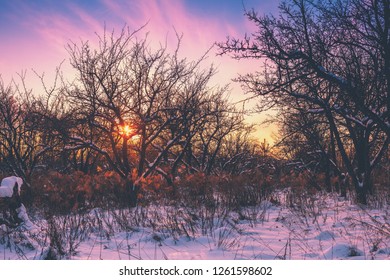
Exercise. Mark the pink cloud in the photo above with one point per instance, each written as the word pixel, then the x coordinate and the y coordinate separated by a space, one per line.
pixel 43 37
pixel 199 33
pixel 44 48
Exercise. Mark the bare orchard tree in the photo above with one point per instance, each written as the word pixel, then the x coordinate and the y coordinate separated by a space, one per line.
pixel 131 97
pixel 21 149
pixel 240 153
pixel 196 106
pixel 308 143
pixel 54 120
pixel 209 141
pixel 334 58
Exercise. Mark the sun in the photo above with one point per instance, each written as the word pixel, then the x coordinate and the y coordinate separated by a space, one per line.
pixel 126 130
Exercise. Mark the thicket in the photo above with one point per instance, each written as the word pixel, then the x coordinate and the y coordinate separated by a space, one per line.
pixel 137 124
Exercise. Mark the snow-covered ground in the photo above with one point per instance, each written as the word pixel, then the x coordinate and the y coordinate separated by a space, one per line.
pixel 325 227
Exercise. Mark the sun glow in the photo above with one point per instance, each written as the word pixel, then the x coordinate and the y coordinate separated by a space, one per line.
pixel 126 131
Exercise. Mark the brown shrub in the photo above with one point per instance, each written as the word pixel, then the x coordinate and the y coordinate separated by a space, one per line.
pixel 64 193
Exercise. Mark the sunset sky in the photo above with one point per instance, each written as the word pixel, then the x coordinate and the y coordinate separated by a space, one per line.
pixel 34 33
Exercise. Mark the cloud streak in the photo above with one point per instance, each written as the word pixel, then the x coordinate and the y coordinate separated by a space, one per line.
pixel 43 33
pixel 47 33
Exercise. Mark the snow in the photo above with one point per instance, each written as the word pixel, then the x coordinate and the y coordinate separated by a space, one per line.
pixel 343 251
pixel 332 228
pixel 9 182
pixel 315 111
pixel 339 79
pixel 325 235
pixel 6 191
pixel 22 214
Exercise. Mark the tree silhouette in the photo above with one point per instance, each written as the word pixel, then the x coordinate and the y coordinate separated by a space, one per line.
pixel 331 59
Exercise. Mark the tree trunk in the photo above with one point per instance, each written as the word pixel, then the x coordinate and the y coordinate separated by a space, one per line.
pixel 363 187
pixel 132 190
pixel 328 182
pixel 361 194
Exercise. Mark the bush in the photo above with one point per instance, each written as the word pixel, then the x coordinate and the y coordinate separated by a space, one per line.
pixel 66 193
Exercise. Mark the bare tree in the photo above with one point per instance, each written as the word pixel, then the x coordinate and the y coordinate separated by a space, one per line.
pixel 240 152
pixel 225 120
pixel 333 57
pixel 21 149
pixel 133 100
